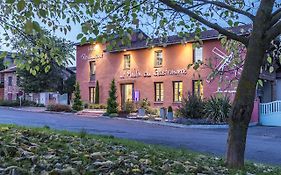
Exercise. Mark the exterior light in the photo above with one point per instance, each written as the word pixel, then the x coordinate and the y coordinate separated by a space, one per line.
pixel 96 47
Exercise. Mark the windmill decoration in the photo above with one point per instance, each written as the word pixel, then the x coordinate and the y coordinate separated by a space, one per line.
pixel 223 65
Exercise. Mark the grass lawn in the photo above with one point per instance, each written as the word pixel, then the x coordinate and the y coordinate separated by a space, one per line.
pixel 44 151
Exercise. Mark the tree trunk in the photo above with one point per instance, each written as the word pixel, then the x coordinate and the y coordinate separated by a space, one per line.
pixel 236 145
pixel 244 98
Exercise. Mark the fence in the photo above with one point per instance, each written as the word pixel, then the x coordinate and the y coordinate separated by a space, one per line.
pixel 270 113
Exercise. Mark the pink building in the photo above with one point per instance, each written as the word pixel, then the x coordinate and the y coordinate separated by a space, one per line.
pixel 157 72
pixel 11 89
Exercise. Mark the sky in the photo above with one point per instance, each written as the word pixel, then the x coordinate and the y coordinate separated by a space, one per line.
pixel 76 29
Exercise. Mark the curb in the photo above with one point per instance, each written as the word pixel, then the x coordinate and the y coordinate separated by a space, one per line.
pixel 176 125
pixel 47 112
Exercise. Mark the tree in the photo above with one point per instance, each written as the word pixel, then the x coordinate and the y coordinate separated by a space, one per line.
pixel 49 75
pixel 104 20
pixel 184 17
pixel 112 105
pixel 77 103
pixel 41 82
pixel 97 93
pixel 23 19
pixel 69 86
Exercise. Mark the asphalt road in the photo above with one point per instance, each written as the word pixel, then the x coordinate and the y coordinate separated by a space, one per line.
pixel 263 145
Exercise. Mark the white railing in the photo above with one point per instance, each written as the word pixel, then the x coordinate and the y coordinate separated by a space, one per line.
pixel 272 107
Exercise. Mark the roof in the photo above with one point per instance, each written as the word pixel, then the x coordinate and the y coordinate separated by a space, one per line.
pixel 9 70
pixel 175 39
pixel 72 68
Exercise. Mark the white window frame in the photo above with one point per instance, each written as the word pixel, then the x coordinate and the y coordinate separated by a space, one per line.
pixel 198 54
pixel 158 58
pixel 127 61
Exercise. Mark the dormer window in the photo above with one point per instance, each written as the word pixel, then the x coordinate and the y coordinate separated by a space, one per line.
pixel 127 61
pixel 92 70
pixel 198 54
pixel 158 58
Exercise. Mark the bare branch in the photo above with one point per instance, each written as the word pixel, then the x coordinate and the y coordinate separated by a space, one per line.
pixel 273 32
pixel 215 26
pixel 230 8
pixel 276 16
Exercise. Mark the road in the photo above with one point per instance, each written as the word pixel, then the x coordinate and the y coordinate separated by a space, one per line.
pixel 263 142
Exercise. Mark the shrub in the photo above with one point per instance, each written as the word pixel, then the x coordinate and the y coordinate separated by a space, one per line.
pixel 77 104
pixel 14 103
pixel 59 108
pixel 129 107
pixel 86 106
pixel 97 93
pixel 113 115
pixel 191 107
pixel 112 105
pixel 152 111
pixel 144 103
pixel 170 109
pixel 9 103
pixel 217 109
pixel 97 106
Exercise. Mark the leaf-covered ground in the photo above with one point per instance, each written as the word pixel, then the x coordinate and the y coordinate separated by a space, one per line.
pixel 43 151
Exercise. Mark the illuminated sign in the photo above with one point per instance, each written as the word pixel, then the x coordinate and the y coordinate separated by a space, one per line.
pixel 157 73
pixel 86 57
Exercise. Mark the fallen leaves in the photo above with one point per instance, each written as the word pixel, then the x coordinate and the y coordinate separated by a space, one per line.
pixel 29 151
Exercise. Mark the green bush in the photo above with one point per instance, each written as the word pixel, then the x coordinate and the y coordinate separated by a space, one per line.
pixel 97 93
pixel 59 108
pixel 15 103
pixel 191 107
pixel 152 111
pixel 9 103
pixel 86 106
pixel 170 109
pixel 129 107
pixel 97 106
pixel 112 105
pixel 113 115
pixel 217 109
pixel 77 103
pixel 144 103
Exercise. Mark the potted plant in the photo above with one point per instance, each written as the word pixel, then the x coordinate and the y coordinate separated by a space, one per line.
pixel 143 105
pixel 170 115
pixel 163 113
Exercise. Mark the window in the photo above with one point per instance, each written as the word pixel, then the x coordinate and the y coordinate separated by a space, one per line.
pixel 177 91
pixel 197 88
pixel 158 58
pixel 127 61
pixel 10 81
pixel 198 54
pixel 18 80
pixel 92 95
pixel 92 70
pixel 159 92
pixel 1 78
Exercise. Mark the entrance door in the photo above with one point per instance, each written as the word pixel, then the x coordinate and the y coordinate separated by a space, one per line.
pixel 126 93
pixel 10 96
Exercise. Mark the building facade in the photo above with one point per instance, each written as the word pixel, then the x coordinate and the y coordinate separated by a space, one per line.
pixel 11 89
pixel 158 73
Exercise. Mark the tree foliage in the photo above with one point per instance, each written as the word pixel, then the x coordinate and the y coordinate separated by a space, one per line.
pixel 44 72
pixel 69 84
pixel 105 20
